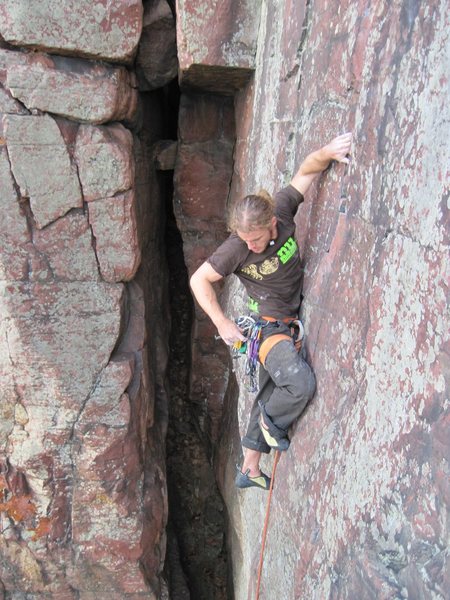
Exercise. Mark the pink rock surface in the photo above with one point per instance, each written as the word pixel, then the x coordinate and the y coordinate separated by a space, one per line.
pixel 14 234
pixel 35 142
pixel 356 507
pixel 8 105
pixel 73 88
pixel 77 516
pixel 113 222
pixel 209 163
pixel 157 61
pixel 68 248
pixel 104 158
pixel 69 394
pixel 216 44
pixel 108 31
pixel 201 186
pixel 359 507
pixel 360 501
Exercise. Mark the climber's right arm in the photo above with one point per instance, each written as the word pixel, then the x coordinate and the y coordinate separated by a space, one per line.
pixel 316 162
pixel 202 287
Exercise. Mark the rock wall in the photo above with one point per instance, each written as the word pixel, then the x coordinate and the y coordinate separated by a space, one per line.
pixel 84 327
pixel 360 508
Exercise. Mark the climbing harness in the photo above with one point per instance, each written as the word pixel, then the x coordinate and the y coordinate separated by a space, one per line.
pixel 251 329
pixel 266 523
pixel 254 350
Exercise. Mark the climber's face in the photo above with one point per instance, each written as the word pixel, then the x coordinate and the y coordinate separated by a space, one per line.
pixel 258 239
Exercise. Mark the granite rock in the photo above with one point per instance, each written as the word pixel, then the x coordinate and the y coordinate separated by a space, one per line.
pixel 35 142
pixel 361 497
pixel 202 176
pixel 217 44
pixel 156 60
pixel 113 222
pixel 76 89
pixel 104 158
pixel 83 504
pixel 359 508
pixel 108 31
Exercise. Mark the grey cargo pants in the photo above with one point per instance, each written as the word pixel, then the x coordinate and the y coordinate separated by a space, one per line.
pixel 286 385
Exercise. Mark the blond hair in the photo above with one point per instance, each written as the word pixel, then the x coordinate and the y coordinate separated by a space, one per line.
pixel 254 211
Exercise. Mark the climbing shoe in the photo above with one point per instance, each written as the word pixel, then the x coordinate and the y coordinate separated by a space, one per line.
pixel 281 444
pixel 244 481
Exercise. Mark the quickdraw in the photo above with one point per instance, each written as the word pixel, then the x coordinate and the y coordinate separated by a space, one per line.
pixel 251 329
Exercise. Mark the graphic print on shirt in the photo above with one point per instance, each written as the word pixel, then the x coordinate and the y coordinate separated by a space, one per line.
pixel 271 265
pixel 287 250
pixel 252 271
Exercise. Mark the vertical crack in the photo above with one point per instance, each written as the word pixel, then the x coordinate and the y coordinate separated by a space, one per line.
pixel 196 511
pixel 304 35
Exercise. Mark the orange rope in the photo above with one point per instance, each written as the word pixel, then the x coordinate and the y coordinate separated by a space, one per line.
pixel 266 523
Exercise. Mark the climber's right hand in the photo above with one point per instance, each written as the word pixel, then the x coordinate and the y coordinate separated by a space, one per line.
pixel 229 331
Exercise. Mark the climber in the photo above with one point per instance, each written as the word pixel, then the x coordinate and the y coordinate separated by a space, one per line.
pixel 263 253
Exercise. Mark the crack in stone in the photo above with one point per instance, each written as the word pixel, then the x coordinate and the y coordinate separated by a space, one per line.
pixel 94 245
pixel 25 205
pixel 72 479
pixel 19 102
pixel 304 35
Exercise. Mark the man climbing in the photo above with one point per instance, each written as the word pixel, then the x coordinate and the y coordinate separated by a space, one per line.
pixel 264 255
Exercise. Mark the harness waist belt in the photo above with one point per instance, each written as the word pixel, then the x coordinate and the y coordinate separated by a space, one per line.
pixel 287 320
pixel 269 343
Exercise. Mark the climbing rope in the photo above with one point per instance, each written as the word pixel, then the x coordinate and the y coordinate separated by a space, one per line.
pixel 252 331
pixel 266 523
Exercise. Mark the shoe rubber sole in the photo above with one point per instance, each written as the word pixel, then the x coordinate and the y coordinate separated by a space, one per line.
pixel 243 480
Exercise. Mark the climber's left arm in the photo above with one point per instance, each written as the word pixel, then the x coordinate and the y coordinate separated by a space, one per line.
pixel 316 162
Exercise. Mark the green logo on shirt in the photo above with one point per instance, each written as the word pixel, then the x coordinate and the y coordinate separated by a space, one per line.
pixel 253 305
pixel 287 251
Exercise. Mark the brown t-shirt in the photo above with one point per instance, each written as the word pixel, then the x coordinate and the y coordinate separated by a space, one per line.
pixel 273 278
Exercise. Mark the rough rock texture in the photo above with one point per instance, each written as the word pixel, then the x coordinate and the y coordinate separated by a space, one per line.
pixel 361 502
pixel 165 153
pixel 202 180
pixel 83 501
pixel 34 141
pixel 217 43
pixel 113 222
pixel 104 159
pixel 106 167
pixel 69 87
pixel 157 61
pixel 108 31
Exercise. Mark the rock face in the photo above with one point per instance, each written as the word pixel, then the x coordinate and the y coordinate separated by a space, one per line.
pixel 217 44
pixel 361 498
pixel 70 87
pixel 362 495
pixel 202 179
pixel 33 141
pixel 83 501
pixel 156 61
pixel 108 31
